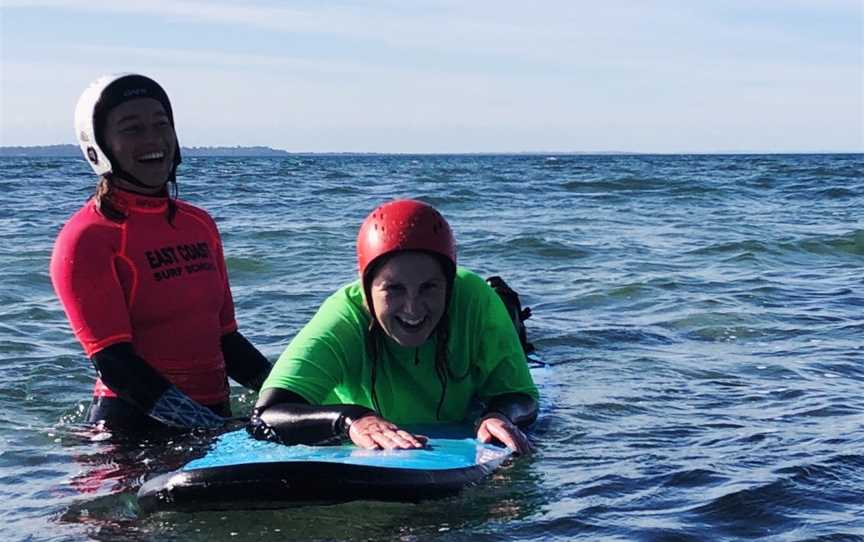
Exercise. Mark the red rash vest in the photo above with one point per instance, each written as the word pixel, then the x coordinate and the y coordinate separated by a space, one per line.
pixel 162 287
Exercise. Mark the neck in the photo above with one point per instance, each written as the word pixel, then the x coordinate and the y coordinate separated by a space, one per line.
pixel 124 184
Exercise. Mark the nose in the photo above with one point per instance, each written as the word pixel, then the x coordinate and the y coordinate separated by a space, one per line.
pixel 151 134
pixel 158 133
pixel 412 303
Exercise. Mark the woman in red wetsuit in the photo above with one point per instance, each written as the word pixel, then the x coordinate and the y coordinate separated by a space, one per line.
pixel 141 274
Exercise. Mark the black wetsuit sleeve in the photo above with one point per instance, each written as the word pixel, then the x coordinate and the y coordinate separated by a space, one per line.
pixel 243 362
pixel 283 416
pixel 134 380
pixel 129 376
pixel 519 408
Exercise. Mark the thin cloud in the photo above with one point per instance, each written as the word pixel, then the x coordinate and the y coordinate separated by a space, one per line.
pixel 399 75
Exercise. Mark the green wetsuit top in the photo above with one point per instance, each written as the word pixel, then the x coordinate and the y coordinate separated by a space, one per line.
pixel 328 363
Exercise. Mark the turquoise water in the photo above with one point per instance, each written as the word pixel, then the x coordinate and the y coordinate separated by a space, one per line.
pixel 703 317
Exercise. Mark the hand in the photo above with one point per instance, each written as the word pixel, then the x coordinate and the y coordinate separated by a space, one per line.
pixel 373 432
pixel 176 409
pixel 497 428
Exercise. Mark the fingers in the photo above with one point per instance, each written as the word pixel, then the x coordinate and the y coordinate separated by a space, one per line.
pixel 497 429
pixel 483 434
pixel 373 432
pixel 391 439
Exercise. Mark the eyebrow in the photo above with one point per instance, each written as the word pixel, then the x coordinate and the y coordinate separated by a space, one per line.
pixel 135 117
pixel 128 118
pixel 390 282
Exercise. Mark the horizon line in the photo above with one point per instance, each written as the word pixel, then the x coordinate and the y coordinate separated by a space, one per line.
pixel 432 153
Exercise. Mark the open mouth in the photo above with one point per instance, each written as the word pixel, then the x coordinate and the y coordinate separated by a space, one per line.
pixel 151 157
pixel 411 324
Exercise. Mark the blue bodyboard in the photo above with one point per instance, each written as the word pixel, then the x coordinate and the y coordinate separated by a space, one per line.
pixel 240 472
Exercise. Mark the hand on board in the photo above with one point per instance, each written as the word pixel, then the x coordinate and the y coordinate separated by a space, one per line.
pixel 501 430
pixel 373 432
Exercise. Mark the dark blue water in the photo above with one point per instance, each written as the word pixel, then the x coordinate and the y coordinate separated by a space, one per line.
pixel 703 318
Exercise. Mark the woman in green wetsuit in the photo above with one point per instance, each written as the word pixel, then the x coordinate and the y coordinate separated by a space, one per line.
pixel 415 340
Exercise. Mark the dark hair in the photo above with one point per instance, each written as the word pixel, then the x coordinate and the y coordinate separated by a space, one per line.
pixel 375 333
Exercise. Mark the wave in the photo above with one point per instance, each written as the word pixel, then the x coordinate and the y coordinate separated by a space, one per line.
pixel 851 243
pixel 837 193
pixel 808 497
pixel 842 468
pixel 336 191
pixel 547 248
pixel 755 511
pixel 694 478
pixel 622 184
pixel 337 175
pixel 738 248
pixel 238 264
pixel 618 338
pixel 457 197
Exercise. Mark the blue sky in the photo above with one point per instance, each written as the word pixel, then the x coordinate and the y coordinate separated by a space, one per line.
pixel 448 76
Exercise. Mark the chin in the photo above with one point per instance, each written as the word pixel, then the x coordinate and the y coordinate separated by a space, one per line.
pixel 154 181
pixel 411 342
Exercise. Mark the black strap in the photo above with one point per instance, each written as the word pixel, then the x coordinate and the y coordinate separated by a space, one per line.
pixel 514 307
pixel 243 362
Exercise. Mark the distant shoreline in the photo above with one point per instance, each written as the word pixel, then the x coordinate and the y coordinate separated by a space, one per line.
pixel 68 150
pixel 52 151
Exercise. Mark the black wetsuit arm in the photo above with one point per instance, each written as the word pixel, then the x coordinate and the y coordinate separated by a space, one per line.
pixel 129 376
pixel 134 380
pixel 519 408
pixel 283 416
pixel 243 362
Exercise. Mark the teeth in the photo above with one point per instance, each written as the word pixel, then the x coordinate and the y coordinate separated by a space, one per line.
pixel 412 322
pixel 152 156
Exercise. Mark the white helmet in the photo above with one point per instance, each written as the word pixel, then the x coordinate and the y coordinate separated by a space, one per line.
pixel 103 95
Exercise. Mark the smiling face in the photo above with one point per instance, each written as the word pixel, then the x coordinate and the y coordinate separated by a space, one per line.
pixel 409 295
pixel 142 142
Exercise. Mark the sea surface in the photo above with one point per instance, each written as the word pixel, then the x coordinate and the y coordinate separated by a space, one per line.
pixel 702 318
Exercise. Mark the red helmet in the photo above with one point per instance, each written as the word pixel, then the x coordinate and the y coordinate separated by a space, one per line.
pixel 404 224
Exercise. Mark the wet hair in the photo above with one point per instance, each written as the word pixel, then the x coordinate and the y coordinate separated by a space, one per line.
pixel 375 334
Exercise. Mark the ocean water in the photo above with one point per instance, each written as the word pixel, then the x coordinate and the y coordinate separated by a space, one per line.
pixel 702 318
